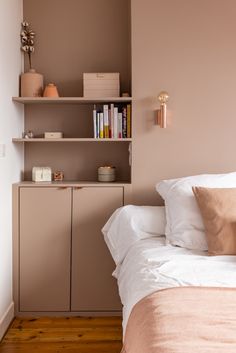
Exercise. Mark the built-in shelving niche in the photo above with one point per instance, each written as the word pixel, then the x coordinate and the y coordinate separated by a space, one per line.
pixel 78 155
pixel 78 161
pixel 85 45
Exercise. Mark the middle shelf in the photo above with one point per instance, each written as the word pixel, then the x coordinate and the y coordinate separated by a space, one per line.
pixel 74 139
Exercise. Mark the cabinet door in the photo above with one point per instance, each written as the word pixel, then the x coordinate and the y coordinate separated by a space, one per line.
pixel 45 239
pixel 93 287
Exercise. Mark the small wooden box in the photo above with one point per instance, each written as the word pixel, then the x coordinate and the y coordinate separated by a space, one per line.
pixel 98 85
pixel 53 135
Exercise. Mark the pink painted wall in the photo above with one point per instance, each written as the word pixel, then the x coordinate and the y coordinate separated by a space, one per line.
pixel 187 47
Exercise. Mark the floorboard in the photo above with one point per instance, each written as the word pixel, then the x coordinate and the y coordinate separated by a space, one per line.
pixel 68 335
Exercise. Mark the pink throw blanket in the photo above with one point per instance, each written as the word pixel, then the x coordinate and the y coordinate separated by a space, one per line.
pixel 183 320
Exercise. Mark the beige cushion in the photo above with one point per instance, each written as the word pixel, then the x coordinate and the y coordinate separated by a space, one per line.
pixel 218 210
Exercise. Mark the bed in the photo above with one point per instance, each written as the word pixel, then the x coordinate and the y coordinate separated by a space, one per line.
pixel 175 299
pixel 171 299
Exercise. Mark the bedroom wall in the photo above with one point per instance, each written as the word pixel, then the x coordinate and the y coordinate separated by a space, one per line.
pixel 11 124
pixel 186 47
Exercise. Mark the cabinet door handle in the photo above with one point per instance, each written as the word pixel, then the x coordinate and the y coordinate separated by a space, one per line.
pixel 63 187
pixel 77 187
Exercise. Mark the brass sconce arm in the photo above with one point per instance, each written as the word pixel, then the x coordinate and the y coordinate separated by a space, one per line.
pixel 162 112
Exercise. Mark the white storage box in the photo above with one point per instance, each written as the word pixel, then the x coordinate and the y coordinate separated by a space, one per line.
pixel 53 135
pixel 41 174
pixel 98 85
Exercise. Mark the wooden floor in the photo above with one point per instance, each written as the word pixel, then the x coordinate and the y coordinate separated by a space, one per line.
pixel 63 335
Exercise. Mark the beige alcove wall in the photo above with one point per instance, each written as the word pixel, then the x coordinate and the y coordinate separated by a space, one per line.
pixel 72 37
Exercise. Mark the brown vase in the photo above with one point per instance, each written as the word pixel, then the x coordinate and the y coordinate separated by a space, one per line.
pixel 31 84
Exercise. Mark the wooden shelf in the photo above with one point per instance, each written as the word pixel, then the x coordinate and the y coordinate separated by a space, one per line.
pixel 32 140
pixel 79 183
pixel 70 100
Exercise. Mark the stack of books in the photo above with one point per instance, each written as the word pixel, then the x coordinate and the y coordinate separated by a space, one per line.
pixel 112 121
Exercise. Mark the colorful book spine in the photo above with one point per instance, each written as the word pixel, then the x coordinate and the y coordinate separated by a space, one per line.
pixel 98 125
pixel 116 126
pixel 120 125
pixel 128 120
pixel 124 122
pixel 101 126
pixel 106 121
pixel 112 121
pixel 94 122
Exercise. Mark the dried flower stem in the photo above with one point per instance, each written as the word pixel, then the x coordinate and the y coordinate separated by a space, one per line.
pixel 27 41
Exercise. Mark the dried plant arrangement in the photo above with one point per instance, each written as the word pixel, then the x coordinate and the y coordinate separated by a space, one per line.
pixel 27 41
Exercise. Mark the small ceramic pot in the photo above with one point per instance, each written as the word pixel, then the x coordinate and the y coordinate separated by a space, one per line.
pixel 50 91
pixel 31 84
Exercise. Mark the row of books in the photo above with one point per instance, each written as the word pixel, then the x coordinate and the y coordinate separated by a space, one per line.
pixel 112 121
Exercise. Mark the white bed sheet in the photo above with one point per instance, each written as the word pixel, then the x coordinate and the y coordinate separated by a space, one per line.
pixel 151 265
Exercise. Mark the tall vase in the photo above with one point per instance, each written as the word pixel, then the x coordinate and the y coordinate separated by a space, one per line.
pixel 31 84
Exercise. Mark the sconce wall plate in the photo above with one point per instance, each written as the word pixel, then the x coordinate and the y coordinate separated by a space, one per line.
pixel 162 112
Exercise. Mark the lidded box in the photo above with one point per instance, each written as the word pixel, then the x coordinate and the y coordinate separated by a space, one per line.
pixel 98 85
pixel 41 174
pixel 53 135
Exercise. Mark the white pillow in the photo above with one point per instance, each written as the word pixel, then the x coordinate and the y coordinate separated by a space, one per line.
pixel 129 224
pixel 184 222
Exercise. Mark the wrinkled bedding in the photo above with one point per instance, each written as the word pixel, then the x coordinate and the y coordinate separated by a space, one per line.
pixel 150 265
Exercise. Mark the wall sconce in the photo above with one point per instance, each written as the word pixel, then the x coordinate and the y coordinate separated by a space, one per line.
pixel 161 113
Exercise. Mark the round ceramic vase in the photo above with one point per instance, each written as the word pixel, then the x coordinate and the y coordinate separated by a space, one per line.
pixel 31 84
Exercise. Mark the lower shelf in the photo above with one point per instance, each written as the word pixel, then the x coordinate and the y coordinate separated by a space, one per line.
pixel 73 183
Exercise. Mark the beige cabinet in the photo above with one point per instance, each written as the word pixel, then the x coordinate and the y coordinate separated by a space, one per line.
pixel 44 249
pixel 93 287
pixel 61 262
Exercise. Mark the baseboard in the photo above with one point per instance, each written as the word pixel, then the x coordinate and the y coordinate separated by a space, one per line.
pixel 67 313
pixel 6 320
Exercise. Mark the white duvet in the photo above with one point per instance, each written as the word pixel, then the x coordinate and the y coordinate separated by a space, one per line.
pixel 150 265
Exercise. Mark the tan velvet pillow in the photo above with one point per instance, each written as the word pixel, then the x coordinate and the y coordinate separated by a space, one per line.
pixel 218 210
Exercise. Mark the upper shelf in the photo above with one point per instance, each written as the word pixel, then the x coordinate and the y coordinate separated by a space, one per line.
pixel 70 100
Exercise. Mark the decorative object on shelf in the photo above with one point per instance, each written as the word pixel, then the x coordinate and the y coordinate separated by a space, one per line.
pixel 30 134
pixel 53 135
pixel 125 94
pixel 51 91
pixel 106 174
pixel 41 174
pixel 161 113
pixel 27 135
pixel 31 84
pixel 98 85
pixel 27 41
pixel 58 176
pixel 31 81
